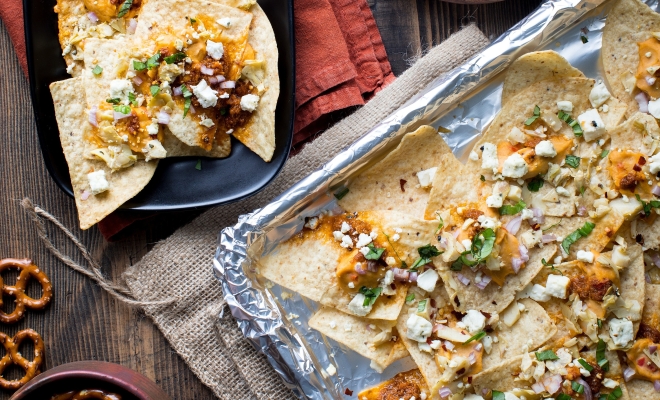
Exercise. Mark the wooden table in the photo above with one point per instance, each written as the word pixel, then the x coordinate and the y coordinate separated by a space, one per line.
pixel 83 322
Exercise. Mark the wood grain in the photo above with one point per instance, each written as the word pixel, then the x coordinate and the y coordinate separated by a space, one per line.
pixel 84 323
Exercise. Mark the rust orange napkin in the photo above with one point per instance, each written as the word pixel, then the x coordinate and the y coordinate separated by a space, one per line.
pixel 340 63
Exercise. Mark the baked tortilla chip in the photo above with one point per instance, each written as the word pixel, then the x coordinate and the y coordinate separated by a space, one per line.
pixel 392 183
pixel 367 337
pixel 70 110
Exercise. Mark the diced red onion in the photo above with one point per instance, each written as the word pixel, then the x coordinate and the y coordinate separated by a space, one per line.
pixel 213 80
pixel 163 118
pixel 368 327
pixel 513 226
pixel 656 259
pixel 588 394
pixel 400 275
pixel 464 280
pixel 582 211
pixel 442 243
pixel 206 70
pixel 192 109
pixel 92 17
pixel 177 91
pixel 653 348
pixel 516 263
pixel 85 195
pixel 472 358
pixel 220 78
pixel 372 266
pixel 132 26
pixel 656 190
pixel 92 116
pixel 650 80
pixel 359 269
pixel 444 392
pixel 228 85
pixel 485 280
pixel 628 373
pixel 538 215
pixel 449 345
pixel 478 347
pixel 524 254
pixel 548 238
pixel 413 277
pixel 656 386
pixel 118 115
pixel 137 80
pixel 643 102
pixel 552 383
pixel 538 387
pixel 456 233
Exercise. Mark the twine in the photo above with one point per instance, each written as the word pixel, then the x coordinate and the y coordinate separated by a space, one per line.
pixel 120 293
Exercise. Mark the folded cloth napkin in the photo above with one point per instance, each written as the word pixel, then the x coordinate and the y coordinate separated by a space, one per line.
pixel 340 62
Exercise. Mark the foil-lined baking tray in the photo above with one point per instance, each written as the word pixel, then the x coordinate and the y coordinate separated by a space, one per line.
pixel 463 102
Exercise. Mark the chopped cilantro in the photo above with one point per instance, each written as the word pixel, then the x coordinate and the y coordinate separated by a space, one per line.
pixel 647 206
pixel 585 365
pixel 614 394
pixel 577 130
pixel 153 61
pixel 198 167
pixel 582 190
pixel 122 109
pixel 599 322
pixel 155 89
pixel 547 355
pixel 563 396
pixel 374 252
pixel 370 295
pixel 584 39
pixel 188 101
pixel 139 65
pixel 97 70
pixel 573 161
pixel 481 249
pixel 482 178
pixel 410 297
pixel 340 194
pixel 604 153
pixel 440 225
pixel 425 254
pixel 535 184
pixel 537 114
pixel 600 356
pixel 497 395
pixel 193 21
pixel 113 101
pixel 175 58
pixel 577 388
pixel 123 10
pixel 576 235
pixel 133 99
pixel 477 336
pixel 421 305
pixel 514 209
pixel 545 263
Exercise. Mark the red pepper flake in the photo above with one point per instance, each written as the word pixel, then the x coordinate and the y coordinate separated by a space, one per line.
pixel 469 379
pixel 428 340
pixel 637 168
pixel 641 160
pixel 403 182
pixel 348 392
pixel 433 303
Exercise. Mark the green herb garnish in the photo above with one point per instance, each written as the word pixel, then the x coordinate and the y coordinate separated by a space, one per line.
pixel 497 395
pixel 477 336
pixel 340 194
pixel 153 61
pixel 425 254
pixel 576 235
pixel 599 322
pixel 125 7
pixel 514 209
pixel 646 207
pixel 113 101
pixel 577 388
pixel 139 65
pixel 573 161
pixel 97 70
pixel 482 178
pixel 547 355
pixel 421 305
pixel 175 58
pixel 577 130
pixel 410 297
pixel 604 153
pixel 370 295
pixel 441 225
pixel 187 95
pixel 374 252
pixel 482 245
pixel 122 109
pixel 193 21
pixel 133 99
pixel 535 184
pixel 585 365
pixel 563 396
pixel 584 39
pixel 198 167
pixel 602 361
pixel 537 114
pixel 155 89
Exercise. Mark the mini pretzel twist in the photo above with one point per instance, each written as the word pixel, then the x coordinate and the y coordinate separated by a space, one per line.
pixel 12 356
pixel 26 270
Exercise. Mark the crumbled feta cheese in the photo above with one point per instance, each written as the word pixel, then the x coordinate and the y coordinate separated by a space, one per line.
pixel 338 235
pixel 312 223
pixel 120 89
pixel 418 328
pixel 225 95
pixel 654 108
pixel 474 321
pixel 585 256
pixel 97 182
pixel 426 177
pixel 467 243
pixel 654 164
pixel 249 102
pixel 516 136
pixel 531 238
pixel 557 285
pixel 363 240
pixel 619 257
pixel 351 285
pixel 621 331
pixel 153 128
pixel 565 106
pixel 495 200
pixel 562 191
pixel 535 292
pixel 154 149
pixel 345 227
pixel 178 44
pixel 527 214
pixel 215 50
pixel 427 280
pixel 396 237
pixel 471 396
pixel 389 277
pixel 331 370
pixel 489 160
pixel 348 327
pixel 169 72
pixel 346 242
pixel 391 261
pixel 206 96
pixel 599 95
pixel 333 324
pixel 610 383
pixel 474 156
pixel 515 193
pixel 592 125
pixel 487 222
pixel 545 148
pixel 357 307
pixel 365 251
pixel 207 122
pixel 425 347
pixel 224 22
pixel 515 166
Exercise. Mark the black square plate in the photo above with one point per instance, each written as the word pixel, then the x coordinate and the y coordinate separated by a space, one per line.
pixel 177 184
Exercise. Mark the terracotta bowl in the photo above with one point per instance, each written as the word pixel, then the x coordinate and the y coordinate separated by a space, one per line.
pixel 91 375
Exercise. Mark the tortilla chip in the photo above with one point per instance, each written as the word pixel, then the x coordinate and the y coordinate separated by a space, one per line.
pixel 380 187
pixel 69 12
pixel 631 134
pixel 307 263
pixel 70 110
pixel 604 231
pixel 494 298
pixel 534 67
pixel 163 17
pixel 628 23
pixel 651 313
pixel 357 334
pixel 632 279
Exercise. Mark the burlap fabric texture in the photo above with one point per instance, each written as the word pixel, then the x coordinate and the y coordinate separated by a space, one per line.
pixel 213 346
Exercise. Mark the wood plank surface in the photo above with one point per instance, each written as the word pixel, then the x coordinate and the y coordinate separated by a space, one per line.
pixel 83 322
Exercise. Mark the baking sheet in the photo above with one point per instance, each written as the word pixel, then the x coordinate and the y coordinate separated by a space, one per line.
pixel 463 101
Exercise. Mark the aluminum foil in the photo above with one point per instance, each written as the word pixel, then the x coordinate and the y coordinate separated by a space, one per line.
pixel 464 102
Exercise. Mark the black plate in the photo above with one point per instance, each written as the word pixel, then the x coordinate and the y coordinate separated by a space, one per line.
pixel 176 183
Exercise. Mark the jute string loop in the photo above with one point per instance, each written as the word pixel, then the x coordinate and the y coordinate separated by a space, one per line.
pixel 120 293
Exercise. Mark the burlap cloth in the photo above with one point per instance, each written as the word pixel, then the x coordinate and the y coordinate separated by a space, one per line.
pixel 213 347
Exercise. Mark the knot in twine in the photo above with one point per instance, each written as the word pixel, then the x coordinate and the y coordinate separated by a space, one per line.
pixel 120 293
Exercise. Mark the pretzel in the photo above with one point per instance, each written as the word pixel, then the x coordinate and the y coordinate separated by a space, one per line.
pixel 12 356
pixel 26 270
pixel 87 394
